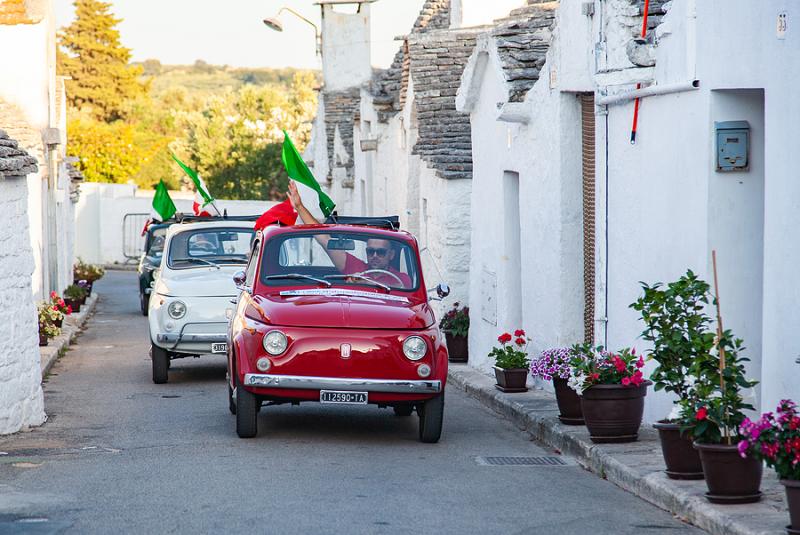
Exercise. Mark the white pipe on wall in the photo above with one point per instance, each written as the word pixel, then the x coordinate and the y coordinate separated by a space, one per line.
pixel 653 90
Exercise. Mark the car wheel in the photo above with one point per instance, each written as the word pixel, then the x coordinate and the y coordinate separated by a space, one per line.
pixel 431 415
pixel 144 303
pixel 403 410
pixel 231 403
pixel 160 359
pixel 246 413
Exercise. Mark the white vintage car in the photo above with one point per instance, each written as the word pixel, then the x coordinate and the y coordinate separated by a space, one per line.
pixel 193 289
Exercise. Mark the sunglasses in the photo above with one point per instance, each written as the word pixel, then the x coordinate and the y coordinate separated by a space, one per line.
pixel 380 251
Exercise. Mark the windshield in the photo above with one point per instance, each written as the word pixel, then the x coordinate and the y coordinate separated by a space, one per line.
pixel 157 238
pixel 340 259
pixel 204 247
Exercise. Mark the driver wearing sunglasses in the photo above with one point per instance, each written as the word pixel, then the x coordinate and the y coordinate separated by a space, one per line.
pixel 380 253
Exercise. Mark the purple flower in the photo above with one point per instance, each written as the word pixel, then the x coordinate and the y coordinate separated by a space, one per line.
pixel 743 445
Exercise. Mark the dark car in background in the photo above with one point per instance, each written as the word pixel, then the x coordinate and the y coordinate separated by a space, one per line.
pixel 150 260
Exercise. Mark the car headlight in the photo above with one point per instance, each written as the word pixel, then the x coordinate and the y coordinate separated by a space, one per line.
pixel 176 310
pixel 275 342
pixel 414 348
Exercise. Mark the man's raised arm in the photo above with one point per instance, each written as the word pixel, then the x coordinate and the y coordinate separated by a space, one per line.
pixel 339 258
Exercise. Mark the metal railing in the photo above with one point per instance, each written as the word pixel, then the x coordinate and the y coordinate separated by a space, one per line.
pixel 132 239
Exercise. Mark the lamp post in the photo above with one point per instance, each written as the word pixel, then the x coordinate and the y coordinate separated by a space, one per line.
pixel 273 23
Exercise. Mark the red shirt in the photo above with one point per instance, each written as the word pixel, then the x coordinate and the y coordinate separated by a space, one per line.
pixel 354 265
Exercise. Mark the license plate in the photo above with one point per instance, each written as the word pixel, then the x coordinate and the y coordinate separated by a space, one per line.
pixel 221 347
pixel 334 396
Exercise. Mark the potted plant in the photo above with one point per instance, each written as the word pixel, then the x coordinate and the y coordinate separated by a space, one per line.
pixel 714 420
pixel 87 287
pixel 74 296
pixel 775 440
pixel 47 328
pixel 511 362
pixel 89 273
pixel 58 304
pixel 555 364
pixel 679 329
pixel 455 325
pixel 612 389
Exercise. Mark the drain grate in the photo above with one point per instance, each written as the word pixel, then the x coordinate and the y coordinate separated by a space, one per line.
pixel 521 461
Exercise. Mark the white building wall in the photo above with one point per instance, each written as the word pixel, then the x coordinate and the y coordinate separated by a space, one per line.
pixel 345 47
pixel 21 399
pixel 102 208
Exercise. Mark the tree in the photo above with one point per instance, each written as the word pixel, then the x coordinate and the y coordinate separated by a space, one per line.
pixel 102 80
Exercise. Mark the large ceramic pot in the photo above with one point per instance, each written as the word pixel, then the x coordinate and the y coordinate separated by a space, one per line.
pixel 613 413
pixel 569 403
pixel 680 456
pixel 793 499
pixel 457 347
pixel 730 478
pixel 511 379
pixel 43 340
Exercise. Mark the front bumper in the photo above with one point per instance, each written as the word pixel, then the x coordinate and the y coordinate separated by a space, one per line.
pixel 297 382
pixel 178 338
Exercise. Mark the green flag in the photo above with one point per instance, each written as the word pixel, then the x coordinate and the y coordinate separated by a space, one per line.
pixel 162 203
pixel 297 169
pixel 198 182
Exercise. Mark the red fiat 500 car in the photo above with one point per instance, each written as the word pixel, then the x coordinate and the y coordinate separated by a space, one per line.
pixel 336 313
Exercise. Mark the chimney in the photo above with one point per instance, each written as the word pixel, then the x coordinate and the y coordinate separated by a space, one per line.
pixel 346 60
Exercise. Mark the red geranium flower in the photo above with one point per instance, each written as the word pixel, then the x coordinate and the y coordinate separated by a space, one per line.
pixel 504 338
pixel 519 332
pixel 69 309
pixel 520 341
pixel 701 414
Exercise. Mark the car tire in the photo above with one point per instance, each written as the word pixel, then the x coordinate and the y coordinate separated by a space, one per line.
pixel 231 403
pixel 160 359
pixel 246 413
pixel 403 410
pixel 144 303
pixel 431 415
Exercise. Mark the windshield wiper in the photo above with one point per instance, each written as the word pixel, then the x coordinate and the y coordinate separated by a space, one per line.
pixel 213 264
pixel 363 278
pixel 298 276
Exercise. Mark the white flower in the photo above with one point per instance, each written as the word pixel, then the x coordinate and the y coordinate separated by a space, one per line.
pixel 675 413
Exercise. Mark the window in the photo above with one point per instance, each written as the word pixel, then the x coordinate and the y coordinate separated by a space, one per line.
pixel 210 246
pixel 347 258
pixel 250 276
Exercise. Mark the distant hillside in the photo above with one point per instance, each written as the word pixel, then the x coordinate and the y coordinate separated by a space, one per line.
pixel 202 78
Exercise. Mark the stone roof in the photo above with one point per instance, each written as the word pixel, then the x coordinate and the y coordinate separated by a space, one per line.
pixel 75 174
pixel 340 111
pixel 640 51
pixel 14 161
pixel 445 136
pixel 522 40
pixel 388 87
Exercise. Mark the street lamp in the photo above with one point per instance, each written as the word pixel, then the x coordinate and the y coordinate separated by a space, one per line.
pixel 273 23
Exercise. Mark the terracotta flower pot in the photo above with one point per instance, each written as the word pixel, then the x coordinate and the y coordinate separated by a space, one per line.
pixel 511 379
pixel 569 403
pixel 43 340
pixel 457 347
pixel 613 413
pixel 730 478
pixel 680 456
pixel 793 499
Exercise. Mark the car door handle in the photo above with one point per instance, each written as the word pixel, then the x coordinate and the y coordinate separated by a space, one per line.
pixel 234 300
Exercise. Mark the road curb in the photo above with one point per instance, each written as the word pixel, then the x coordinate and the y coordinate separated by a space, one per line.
pixel 636 467
pixel 69 331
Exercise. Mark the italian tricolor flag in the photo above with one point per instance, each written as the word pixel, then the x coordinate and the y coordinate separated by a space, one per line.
pixel 163 207
pixel 202 197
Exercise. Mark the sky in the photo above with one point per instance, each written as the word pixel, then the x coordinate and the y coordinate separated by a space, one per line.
pixel 231 32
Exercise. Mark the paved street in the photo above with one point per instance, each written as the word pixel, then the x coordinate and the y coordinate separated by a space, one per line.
pixel 121 454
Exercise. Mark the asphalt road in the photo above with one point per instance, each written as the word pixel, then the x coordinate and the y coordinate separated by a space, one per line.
pixel 120 454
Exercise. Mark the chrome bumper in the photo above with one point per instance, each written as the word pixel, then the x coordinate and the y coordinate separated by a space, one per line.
pixel 175 338
pixel 395 386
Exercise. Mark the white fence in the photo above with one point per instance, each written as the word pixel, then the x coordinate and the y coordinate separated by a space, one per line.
pixel 109 219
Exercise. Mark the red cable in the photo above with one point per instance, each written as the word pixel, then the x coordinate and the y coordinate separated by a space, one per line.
pixel 639 86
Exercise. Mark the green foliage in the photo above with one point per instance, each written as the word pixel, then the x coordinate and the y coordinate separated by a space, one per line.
pixel 92 56
pixel 714 415
pixel 456 321
pixel 511 355
pixel 75 292
pixel 679 329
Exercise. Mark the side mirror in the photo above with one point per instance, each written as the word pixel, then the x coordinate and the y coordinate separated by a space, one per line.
pixel 442 290
pixel 238 279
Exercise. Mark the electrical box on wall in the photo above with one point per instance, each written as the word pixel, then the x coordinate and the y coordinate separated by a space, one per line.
pixel 733 145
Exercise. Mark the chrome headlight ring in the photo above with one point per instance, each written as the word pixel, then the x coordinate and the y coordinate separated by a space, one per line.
pixel 177 309
pixel 275 343
pixel 414 348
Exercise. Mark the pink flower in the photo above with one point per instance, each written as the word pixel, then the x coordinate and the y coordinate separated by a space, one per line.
pixel 637 378
pixel 640 362
pixel 743 445
pixel 626 381
pixel 701 414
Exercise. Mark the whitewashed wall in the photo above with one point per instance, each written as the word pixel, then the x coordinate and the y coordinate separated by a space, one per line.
pixel 21 400
pixel 101 209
